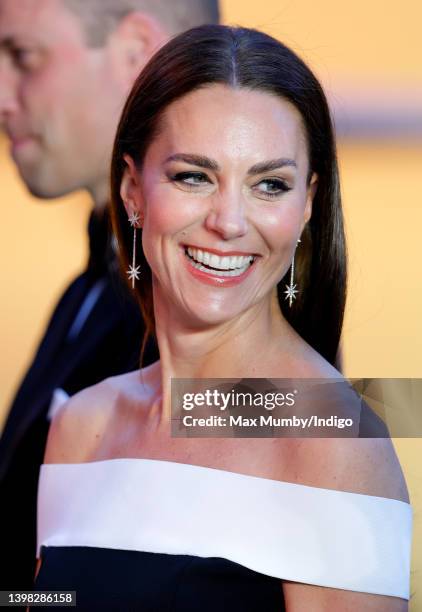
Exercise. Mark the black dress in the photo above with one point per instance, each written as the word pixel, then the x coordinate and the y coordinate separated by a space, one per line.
pixel 149 535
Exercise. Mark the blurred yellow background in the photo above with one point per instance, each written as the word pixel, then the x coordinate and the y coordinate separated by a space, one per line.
pixel 368 55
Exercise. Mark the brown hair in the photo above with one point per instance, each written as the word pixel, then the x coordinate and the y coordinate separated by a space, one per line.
pixel 240 57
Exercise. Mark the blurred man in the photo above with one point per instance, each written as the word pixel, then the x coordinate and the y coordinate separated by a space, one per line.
pixel 66 67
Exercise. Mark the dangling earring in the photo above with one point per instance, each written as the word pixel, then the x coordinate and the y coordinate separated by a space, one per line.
pixel 291 289
pixel 134 271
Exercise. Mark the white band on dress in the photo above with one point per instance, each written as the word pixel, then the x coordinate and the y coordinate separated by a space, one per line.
pixel 289 531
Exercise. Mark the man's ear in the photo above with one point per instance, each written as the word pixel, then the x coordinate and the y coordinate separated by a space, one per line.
pixel 130 191
pixel 311 190
pixel 136 38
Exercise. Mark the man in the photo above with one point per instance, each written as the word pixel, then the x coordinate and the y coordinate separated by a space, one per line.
pixel 66 67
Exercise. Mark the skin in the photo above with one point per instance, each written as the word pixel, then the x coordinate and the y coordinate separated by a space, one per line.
pixel 227 210
pixel 60 100
pixel 208 331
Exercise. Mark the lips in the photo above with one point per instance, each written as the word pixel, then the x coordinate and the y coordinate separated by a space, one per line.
pixel 17 141
pixel 222 267
pixel 214 261
pixel 18 136
pixel 20 143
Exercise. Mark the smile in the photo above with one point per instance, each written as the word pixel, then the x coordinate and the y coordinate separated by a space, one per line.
pixel 218 265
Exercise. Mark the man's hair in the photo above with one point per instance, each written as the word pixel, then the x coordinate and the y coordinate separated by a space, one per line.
pixel 100 17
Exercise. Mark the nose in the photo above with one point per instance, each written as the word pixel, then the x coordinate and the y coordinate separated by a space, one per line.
pixel 8 91
pixel 227 217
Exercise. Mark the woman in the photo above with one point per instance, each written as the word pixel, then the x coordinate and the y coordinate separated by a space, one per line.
pixel 225 158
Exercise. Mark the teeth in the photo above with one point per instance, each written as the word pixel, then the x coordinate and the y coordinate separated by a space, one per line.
pixel 235 263
pixel 236 272
pixel 218 262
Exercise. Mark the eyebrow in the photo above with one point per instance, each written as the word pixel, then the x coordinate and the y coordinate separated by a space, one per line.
pixel 9 43
pixel 12 41
pixel 210 164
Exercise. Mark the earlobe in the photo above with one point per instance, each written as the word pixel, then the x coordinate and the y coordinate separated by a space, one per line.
pixel 130 190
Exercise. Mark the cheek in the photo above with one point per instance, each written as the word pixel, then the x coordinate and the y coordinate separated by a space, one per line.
pixel 169 211
pixel 280 226
pixel 161 217
pixel 53 109
pixel 38 91
pixel 160 221
pixel 66 82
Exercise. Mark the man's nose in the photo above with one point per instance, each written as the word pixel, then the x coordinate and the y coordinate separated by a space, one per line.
pixel 227 216
pixel 8 92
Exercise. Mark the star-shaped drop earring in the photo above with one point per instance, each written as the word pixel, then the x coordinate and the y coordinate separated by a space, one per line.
pixel 291 293
pixel 134 271
pixel 133 274
pixel 133 219
pixel 291 288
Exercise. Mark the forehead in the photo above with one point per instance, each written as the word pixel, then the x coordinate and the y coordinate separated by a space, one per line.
pixel 235 122
pixel 42 21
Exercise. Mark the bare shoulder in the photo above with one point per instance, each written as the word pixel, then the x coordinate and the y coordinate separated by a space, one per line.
pixel 368 466
pixel 359 465
pixel 79 424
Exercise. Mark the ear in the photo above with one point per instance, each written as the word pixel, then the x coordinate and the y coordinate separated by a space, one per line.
pixel 311 190
pixel 136 38
pixel 131 193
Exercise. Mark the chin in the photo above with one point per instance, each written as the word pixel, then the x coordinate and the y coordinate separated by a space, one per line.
pixel 200 316
pixel 45 190
pixel 44 194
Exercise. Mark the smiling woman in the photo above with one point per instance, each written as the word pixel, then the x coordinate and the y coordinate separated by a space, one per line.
pixel 225 160
pixel 266 113
pixel 228 217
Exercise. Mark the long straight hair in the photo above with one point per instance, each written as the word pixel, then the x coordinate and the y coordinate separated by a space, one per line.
pixel 246 58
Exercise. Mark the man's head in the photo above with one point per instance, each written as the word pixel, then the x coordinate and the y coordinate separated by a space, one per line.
pixel 66 67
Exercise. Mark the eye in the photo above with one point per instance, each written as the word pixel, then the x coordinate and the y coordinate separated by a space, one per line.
pixel 25 59
pixel 191 179
pixel 271 188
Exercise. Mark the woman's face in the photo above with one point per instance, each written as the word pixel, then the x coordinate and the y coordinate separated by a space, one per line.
pixel 224 197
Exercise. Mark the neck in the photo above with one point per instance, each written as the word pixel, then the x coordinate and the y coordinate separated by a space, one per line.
pixel 246 347
pixel 100 193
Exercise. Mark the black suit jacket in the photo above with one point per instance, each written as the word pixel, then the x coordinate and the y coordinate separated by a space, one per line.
pixel 108 344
